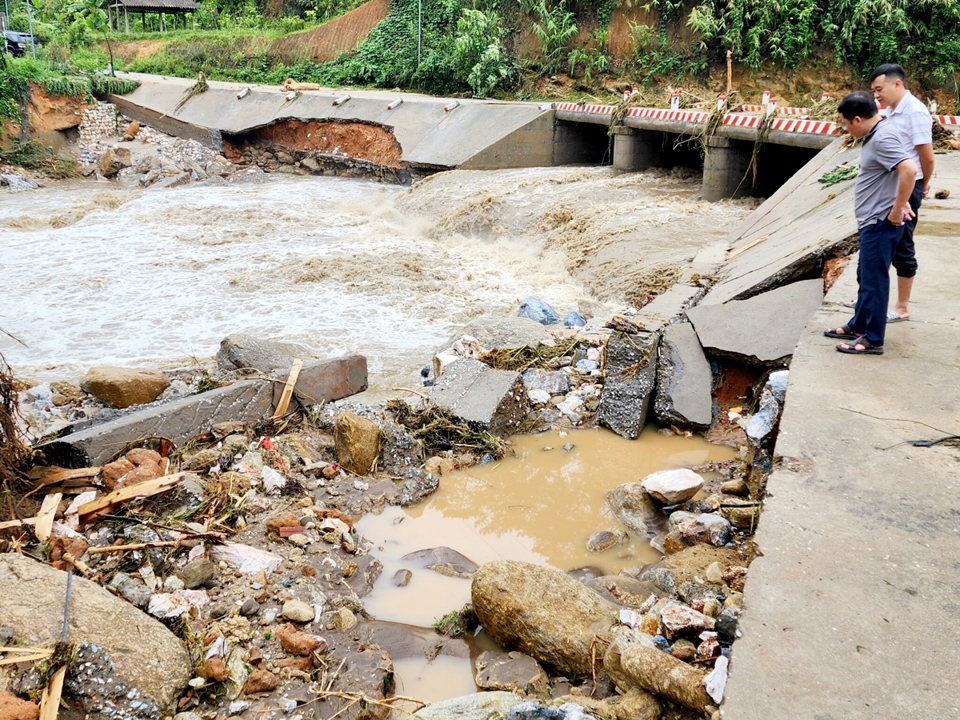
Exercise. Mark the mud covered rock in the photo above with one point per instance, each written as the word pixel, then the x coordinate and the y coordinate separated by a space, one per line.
pixel 112 161
pixel 443 560
pixel 242 351
pixel 123 387
pixel 541 612
pixel 358 442
pixel 480 706
pixel 145 654
pixel 513 672
pixel 663 675
pixel 635 510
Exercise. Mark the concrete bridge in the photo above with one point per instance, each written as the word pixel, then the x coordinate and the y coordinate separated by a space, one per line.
pixel 442 133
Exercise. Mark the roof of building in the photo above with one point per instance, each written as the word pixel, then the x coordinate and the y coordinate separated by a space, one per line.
pixel 159 5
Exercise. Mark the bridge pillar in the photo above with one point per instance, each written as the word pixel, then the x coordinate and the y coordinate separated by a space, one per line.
pixel 724 168
pixel 636 149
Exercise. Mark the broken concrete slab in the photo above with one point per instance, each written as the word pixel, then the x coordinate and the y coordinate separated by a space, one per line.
pixel 172 181
pixel 324 380
pixel 792 233
pixel 761 330
pixel 178 421
pixel 242 351
pixel 484 398
pixel 667 306
pixel 684 380
pixel 629 379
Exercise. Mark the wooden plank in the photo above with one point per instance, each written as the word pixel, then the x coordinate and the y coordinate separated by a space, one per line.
pixel 57 475
pixel 48 510
pixel 744 248
pixel 50 701
pixel 26 658
pixel 121 495
pixel 288 389
pixel 7 524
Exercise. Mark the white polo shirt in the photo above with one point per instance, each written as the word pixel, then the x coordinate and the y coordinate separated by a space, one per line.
pixel 912 118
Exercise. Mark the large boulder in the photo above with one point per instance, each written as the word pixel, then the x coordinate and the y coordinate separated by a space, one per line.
pixel 144 653
pixel 539 311
pixel 358 442
pixel 541 612
pixel 629 380
pixel 123 387
pixel 112 161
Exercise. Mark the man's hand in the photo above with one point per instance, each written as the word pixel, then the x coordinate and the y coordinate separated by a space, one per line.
pixel 901 214
pixel 926 191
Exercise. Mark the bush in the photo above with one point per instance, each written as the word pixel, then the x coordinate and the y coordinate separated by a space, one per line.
pixel 478 54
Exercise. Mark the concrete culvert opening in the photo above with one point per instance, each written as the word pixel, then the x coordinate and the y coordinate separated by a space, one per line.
pixel 347 139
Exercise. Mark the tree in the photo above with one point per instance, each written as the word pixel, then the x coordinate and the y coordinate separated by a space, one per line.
pixel 95 17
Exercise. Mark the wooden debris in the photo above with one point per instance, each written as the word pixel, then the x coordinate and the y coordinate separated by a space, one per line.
pixel 56 475
pixel 743 249
pixel 48 511
pixel 98 507
pixel 24 654
pixel 7 524
pixel 79 565
pixel 625 325
pixel 288 389
pixel 50 700
pixel 133 546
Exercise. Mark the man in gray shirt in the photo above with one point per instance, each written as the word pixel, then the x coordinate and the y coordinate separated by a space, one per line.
pixel 915 124
pixel 881 205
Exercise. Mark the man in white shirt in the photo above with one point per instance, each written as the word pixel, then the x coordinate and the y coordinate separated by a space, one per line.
pixel 913 121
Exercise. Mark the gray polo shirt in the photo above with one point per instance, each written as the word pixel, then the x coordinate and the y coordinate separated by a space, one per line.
pixel 913 120
pixel 876 187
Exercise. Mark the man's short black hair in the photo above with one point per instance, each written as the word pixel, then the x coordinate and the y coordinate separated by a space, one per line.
pixel 891 70
pixel 858 104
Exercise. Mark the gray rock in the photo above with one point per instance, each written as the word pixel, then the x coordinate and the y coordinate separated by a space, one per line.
pixel 586 365
pixel 298 611
pixel 112 161
pixel 629 380
pixel 484 398
pixel 401 578
pixel 663 578
pixel 133 591
pixel 555 382
pixel 197 573
pixel 705 528
pixel 508 332
pixel 574 319
pixel 242 351
pixel 512 672
pixel 443 560
pixel 765 419
pixel 250 607
pixel 480 706
pixel 173 181
pixel 761 330
pixel 684 380
pixel 622 589
pixel 537 310
pixel 144 653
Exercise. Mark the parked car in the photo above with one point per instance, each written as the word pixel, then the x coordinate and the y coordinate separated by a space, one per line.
pixel 16 43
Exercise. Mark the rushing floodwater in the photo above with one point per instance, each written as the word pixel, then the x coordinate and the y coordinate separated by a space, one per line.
pixel 108 274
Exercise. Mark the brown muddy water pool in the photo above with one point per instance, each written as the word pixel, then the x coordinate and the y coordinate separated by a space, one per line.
pixel 539 505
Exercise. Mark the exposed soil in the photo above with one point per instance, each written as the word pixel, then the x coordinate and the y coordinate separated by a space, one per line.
pixel 356 140
pixel 332 38
pixel 53 112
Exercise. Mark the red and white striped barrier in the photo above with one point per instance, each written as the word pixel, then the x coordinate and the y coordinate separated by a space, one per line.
pixel 738 119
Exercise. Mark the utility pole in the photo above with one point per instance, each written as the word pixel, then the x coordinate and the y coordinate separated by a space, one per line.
pixel 33 40
pixel 419 28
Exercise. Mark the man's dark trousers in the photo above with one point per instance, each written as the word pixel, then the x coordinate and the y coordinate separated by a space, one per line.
pixel 905 256
pixel 877 245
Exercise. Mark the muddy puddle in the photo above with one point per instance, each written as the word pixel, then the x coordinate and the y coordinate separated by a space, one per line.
pixel 539 506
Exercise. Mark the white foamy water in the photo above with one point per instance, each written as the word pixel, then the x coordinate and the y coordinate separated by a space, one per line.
pixel 103 274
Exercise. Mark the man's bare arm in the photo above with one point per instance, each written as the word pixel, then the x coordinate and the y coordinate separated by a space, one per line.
pixel 901 210
pixel 926 164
